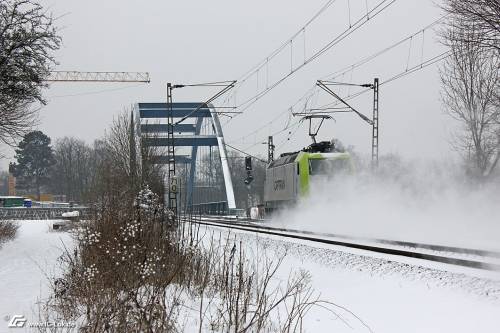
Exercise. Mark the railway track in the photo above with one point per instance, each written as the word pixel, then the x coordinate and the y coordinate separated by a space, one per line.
pixel 472 258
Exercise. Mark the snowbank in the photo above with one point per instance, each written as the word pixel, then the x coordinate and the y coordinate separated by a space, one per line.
pixel 24 264
pixel 71 214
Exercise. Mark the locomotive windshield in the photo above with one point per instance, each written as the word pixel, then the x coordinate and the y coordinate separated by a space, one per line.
pixel 328 166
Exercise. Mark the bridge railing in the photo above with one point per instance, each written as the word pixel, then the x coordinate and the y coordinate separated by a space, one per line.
pixel 211 208
pixel 40 213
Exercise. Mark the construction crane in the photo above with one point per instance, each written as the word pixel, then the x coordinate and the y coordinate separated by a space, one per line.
pixel 76 76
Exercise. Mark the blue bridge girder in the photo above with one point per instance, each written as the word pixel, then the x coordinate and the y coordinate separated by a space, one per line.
pixel 153 135
pixel 178 159
pixel 183 141
pixel 162 128
pixel 179 110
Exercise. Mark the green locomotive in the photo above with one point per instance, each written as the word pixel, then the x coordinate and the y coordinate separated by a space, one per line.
pixel 289 177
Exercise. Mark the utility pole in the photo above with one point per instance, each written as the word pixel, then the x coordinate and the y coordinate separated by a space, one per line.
pixel 248 181
pixel 172 180
pixel 373 122
pixel 375 125
pixel 133 152
pixel 270 149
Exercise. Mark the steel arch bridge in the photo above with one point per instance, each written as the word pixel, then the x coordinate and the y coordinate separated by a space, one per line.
pixel 201 155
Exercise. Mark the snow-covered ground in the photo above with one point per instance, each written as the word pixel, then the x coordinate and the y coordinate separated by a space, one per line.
pixel 419 207
pixel 24 264
pixel 387 295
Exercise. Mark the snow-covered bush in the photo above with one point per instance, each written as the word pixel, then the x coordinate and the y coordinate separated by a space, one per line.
pixel 133 272
pixel 8 231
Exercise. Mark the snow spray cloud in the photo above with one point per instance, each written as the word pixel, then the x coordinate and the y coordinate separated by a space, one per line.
pixel 417 202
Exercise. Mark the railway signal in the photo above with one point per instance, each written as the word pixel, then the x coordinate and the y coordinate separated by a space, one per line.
pixel 248 168
pixel 270 149
pixel 248 163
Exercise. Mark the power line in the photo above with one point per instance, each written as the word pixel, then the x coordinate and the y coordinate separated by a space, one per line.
pixel 226 84
pixel 308 95
pixel 274 53
pixel 346 33
pixel 366 60
pixel 209 84
pixel 411 70
pixel 420 66
pixel 289 126
pixel 291 135
pixel 397 76
pixel 344 70
pixel 245 153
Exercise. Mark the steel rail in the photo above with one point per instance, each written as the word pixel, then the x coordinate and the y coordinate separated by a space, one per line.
pixel 308 236
pixel 433 247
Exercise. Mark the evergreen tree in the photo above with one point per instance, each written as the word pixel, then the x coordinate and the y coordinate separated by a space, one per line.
pixel 34 161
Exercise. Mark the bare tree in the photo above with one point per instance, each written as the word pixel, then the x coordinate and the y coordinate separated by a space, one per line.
pixel 245 195
pixel 114 168
pixel 72 173
pixel 483 15
pixel 27 38
pixel 470 94
pixel 123 165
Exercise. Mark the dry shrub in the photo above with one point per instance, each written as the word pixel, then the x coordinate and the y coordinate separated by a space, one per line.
pixel 133 271
pixel 8 230
pixel 116 276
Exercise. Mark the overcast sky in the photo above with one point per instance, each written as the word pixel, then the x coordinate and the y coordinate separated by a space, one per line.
pixel 199 41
